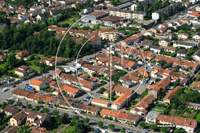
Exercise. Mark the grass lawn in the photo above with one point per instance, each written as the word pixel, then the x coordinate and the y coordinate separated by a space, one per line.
pixel 131 107
pixel 143 94
pixel 116 97
pixel 70 129
pixel 160 108
pixel 198 117
pixel 70 21
pixel 32 65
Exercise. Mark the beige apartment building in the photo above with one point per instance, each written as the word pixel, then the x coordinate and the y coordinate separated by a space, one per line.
pixel 111 35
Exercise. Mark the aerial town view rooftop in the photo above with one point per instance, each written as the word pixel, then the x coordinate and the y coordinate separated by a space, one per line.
pixel 100 66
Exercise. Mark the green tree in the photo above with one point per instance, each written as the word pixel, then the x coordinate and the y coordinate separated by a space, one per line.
pixel 24 129
pixel 19 103
pixel 139 6
pixel 100 123
pixel 123 130
pixel 29 106
pixel 56 112
pixel 86 120
pixel 75 118
pixel 162 63
pixel 80 128
pixel 111 126
pixel 37 108
pixel 64 118
pixel 181 130
pixel 153 126
pixel 101 90
pixel 165 129
pixel 142 124
pixel 4 104
pixel 11 101
pixel 46 110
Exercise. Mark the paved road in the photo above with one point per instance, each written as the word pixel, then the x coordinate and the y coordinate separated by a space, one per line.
pixel 93 120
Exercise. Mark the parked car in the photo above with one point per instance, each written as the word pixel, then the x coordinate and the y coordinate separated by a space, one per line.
pixel 14 86
pixel 5 89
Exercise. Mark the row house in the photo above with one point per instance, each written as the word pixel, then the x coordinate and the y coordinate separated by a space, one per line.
pixel 172 62
pixel 147 43
pixel 38 84
pixel 22 54
pixel 101 103
pixel 170 49
pixel 166 10
pixel 133 39
pixel 183 36
pixel 23 70
pixel 164 42
pixel 51 61
pixel 160 73
pixel 127 14
pixel 57 29
pixel 10 110
pixel 71 91
pixel 142 106
pixel 124 93
pixel 156 49
pixel 193 105
pixel 28 116
pixel 188 124
pixel 196 56
pixel 196 36
pixel 120 116
pixel 111 35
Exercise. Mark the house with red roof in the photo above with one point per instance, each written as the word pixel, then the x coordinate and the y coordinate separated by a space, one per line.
pixel 38 84
pixel 183 36
pixel 120 116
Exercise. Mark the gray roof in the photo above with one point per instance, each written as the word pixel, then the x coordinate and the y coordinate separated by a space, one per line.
pixel 182 51
pixel 156 47
pixel 152 115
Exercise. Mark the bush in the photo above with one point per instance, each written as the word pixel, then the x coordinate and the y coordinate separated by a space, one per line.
pixel 11 101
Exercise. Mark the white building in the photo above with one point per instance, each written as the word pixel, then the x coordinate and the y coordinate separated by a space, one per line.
pixel 134 7
pixel 155 16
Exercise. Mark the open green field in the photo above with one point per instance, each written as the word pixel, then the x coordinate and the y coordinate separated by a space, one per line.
pixel 70 21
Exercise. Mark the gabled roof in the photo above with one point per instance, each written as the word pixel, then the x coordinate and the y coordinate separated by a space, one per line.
pixel 36 82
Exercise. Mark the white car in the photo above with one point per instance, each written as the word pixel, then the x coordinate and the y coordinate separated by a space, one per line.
pixel 151 82
pixel 149 64
pixel 152 67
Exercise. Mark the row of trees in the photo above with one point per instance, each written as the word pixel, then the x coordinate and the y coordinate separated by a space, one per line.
pixel 180 99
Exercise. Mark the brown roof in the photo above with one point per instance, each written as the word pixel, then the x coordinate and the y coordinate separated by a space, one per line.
pixel 165 118
pixel 23 67
pixel 10 109
pixel 13 129
pixel 122 89
pixel 188 122
pixel 23 53
pixel 20 92
pixel 36 82
pixel 146 101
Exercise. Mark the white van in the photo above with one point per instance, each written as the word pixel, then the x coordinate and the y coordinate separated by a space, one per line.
pixel 5 89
